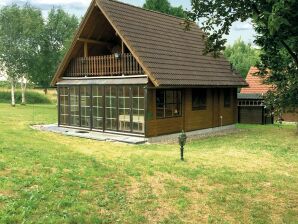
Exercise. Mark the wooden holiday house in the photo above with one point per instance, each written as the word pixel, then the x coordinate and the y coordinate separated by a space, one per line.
pixel 138 72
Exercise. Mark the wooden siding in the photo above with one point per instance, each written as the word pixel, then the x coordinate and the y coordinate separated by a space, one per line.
pixel 193 119
pixel 162 126
pixel 106 65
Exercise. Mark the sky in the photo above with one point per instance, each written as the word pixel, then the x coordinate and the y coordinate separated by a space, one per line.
pixel 79 7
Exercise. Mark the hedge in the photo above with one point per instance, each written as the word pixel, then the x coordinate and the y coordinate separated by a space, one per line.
pixel 31 97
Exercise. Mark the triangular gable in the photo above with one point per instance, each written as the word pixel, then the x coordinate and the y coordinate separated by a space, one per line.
pixel 67 58
pixel 169 55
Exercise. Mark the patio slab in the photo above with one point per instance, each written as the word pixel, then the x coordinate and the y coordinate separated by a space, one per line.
pixel 99 136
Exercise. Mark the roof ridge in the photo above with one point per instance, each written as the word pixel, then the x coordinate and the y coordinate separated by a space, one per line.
pixel 149 10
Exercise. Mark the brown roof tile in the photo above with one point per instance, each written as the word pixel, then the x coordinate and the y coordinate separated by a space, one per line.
pixel 172 55
pixel 168 53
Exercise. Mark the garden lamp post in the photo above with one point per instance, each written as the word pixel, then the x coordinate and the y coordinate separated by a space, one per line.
pixel 182 141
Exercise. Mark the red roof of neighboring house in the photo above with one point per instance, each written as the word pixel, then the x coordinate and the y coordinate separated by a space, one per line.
pixel 255 83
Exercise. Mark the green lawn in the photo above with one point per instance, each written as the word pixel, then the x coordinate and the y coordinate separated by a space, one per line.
pixel 248 177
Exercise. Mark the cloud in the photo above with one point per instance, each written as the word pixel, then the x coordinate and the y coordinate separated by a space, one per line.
pixel 240 26
pixel 75 6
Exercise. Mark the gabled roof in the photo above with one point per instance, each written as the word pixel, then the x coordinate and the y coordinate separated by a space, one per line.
pixel 255 83
pixel 169 55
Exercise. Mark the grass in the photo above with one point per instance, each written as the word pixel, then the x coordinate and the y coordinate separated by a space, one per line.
pixel 247 177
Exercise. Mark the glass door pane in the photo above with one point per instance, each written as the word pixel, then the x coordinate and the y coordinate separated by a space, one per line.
pixel 124 108
pixel 138 109
pixel 97 107
pixel 74 106
pixel 111 108
pixel 85 106
pixel 64 108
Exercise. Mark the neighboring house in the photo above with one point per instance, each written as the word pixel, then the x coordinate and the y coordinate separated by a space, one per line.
pixel 139 72
pixel 251 107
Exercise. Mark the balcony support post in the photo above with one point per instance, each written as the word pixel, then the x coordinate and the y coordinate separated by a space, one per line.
pixel 85 49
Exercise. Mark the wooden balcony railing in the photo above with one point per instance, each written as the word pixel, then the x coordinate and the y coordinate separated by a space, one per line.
pixel 107 65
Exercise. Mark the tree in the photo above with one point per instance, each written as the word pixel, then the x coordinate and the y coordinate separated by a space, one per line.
pixel 242 56
pixel 55 39
pixel 19 32
pixel 276 26
pixel 165 7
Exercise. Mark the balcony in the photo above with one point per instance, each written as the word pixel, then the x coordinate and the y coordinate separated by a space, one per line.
pixel 108 65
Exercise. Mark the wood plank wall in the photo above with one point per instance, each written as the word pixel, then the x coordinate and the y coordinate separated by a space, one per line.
pixel 193 120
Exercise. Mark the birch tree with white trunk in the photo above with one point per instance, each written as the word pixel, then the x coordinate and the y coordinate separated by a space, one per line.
pixel 23 82
pixel 20 29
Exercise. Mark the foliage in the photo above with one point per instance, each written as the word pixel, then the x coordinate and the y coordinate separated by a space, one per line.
pixel 164 6
pixel 48 178
pixel 276 26
pixel 20 28
pixel 57 33
pixel 242 56
pixel 32 97
pixel 33 46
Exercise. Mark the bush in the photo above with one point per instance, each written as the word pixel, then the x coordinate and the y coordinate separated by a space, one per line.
pixel 31 97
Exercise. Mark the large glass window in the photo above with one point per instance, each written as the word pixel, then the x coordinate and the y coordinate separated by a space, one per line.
pixel 227 98
pixel 117 108
pixel 74 106
pixel 124 108
pixel 98 107
pixel 168 103
pixel 138 109
pixel 64 107
pixel 111 107
pixel 85 106
pixel 199 99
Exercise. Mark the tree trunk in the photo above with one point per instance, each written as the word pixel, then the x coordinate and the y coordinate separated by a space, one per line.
pixel 23 87
pixel 13 102
pixel 45 91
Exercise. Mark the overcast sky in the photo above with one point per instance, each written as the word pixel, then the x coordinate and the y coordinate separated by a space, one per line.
pixel 78 7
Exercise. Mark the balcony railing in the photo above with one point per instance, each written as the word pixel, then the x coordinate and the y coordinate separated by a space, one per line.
pixel 107 65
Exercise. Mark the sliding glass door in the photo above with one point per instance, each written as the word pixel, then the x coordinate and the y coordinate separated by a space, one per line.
pixel 98 107
pixel 111 108
pixel 85 95
pixel 64 106
pixel 138 109
pixel 124 108
pixel 74 106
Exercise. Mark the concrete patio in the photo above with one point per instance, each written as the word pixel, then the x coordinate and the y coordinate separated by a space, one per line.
pixel 99 136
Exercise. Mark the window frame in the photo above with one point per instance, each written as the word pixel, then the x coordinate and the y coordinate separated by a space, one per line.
pixel 176 93
pixel 227 98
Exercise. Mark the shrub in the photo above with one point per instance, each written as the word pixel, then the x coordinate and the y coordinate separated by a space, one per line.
pixel 31 97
